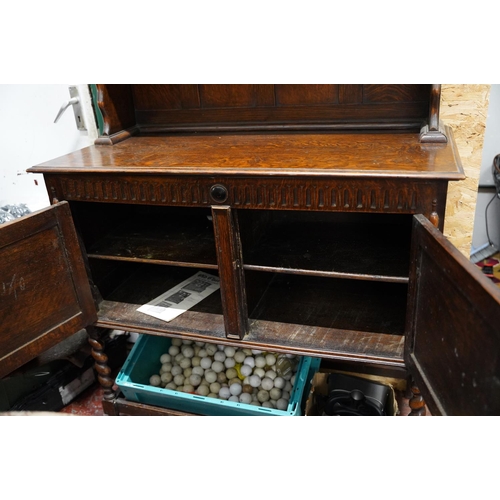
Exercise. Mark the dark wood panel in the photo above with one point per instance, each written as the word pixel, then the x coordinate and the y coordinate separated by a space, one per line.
pixel 306 95
pixel 453 328
pixel 236 96
pixel 396 93
pixel 226 108
pixel 151 97
pixel 44 293
pixel 230 271
pixel 116 104
pixel 379 116
pixel 365 306
pixel 23 286
pixel 350 94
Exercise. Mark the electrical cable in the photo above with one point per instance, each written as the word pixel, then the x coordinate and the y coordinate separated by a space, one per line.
pixel 496 172
pixel 496 179
pixel 486 218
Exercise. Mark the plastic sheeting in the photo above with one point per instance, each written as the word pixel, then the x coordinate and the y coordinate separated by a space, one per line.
pixel 11 212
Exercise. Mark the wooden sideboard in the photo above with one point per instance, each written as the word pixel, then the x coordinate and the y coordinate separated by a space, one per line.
pixel 318 206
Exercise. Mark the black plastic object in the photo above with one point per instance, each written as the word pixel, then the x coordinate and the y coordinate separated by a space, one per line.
pixel 496 172
pixel 354 396
pixel 51 386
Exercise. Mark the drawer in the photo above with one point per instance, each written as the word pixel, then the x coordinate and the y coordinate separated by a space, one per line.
pixel 341 194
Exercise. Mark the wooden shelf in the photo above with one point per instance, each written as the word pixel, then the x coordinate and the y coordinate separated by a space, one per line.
pixel 314 317
pixel 363 348
pixel 160 240
pixel 334 304
pixel 367 350
pixel 341 247
pixel 139 284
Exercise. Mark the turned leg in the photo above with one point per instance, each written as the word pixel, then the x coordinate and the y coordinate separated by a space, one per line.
pixel 101 362
pixel 417 403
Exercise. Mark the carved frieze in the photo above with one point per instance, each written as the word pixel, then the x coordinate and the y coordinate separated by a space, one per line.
pixel 342 194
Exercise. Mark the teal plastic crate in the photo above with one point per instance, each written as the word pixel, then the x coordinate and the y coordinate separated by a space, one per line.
pixel 314 365
pixel 144 361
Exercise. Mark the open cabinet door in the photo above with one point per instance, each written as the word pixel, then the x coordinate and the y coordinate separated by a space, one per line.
pixel 452 347
pixel 45 294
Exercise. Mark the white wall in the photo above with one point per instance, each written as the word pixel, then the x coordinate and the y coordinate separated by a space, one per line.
pixel 486 185
pixel 28 136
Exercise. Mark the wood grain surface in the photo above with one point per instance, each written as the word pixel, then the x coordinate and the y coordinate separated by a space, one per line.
pixel 268 154
pixel 464 108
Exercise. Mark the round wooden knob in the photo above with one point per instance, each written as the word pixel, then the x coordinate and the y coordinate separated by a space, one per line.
pixel 218 193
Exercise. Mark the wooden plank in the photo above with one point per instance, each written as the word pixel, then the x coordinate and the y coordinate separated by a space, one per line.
pixel 232 280
pixel 319 335
pixel 121 406
pixel 191 324
pixel 347 346
pixel 168 96
pixel 350 94
pixel 235 96
pixel 343 117
pixel 396 93
pixel 390 155
pixel 306 95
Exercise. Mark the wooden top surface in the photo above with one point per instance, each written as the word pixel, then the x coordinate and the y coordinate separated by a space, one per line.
pixel 327 154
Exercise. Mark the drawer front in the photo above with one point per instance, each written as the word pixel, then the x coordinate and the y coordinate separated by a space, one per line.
pixel 279 193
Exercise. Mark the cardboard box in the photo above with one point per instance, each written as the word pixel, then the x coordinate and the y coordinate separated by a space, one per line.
pixel 319 387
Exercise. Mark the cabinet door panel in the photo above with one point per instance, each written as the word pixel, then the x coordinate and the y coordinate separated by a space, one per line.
pixel 453 328
pixel 44 289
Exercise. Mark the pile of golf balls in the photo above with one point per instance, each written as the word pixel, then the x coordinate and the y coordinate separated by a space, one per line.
pixel 246 376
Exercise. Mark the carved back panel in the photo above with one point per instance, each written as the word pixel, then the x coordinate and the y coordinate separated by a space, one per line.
pixel 217 108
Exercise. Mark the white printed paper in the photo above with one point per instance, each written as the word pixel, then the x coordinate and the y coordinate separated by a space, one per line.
pixel 182 297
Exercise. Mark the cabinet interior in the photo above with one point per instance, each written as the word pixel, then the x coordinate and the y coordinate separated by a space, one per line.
pixel 326 272
pixel 137 252
pixel 357 246
pixel 352 305
pixel 153 234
